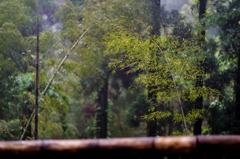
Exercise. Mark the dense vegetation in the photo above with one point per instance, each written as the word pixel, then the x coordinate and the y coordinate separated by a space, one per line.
pixel 121 68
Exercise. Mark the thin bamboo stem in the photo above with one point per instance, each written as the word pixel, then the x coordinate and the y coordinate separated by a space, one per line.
pixel 55 73
pixel 179 99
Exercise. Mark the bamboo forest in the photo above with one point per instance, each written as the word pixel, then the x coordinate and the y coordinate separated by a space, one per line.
pixel 89 69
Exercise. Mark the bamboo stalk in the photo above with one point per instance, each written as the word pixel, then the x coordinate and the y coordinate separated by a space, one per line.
pixel 64 59
pixel 50 81
pixel 179 99
pixel 120 147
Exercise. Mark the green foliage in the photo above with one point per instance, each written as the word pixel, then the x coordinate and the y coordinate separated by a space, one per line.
pixel 19 102
pixel 219 112
pixel 176 133
pixel 165 63
pixel 50 130
pixel 22 90
pixel 6 71
pixel 10 14
pixel 71 132
pixel 10 130
pixel 48 42
pixel 137 109
pixel 69 16
pixel 120 40
pixel 54 105
pixel 10 35
pixel 190 117
pixel 88 61
pixel 225 16
pixel 12 46
pixel 52 117
pixel 30 3
pixel 156 115
pixel 24 82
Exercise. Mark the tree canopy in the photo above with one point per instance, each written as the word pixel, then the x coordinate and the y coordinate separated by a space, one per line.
pixel 119 68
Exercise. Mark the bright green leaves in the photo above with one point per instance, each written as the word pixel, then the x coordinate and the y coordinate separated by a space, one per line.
pixel 157 115
pixel 168 65
pixel 191 116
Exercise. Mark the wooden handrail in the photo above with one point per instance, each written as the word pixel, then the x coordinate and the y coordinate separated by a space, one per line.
pixel 120 147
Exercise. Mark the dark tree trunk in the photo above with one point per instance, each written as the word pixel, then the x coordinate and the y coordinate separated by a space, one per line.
pixel 102 108
pixel 199 83
pixel 151 128
pixel 36 82
pixel 237 90
pixel 198 122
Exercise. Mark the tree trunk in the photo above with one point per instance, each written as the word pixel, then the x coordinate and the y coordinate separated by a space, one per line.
pixel 37 82
pixel 237 79
pixel 199 83
pixel 237 92
pixel 102 108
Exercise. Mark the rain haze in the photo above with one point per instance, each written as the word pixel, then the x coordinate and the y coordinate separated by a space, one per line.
pixel 106 69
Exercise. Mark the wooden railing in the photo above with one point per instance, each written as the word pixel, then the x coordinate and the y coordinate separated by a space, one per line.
pixel 189 147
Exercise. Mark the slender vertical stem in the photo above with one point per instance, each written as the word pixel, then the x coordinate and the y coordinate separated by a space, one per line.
pixel 36 84
pixel 179 99
pixel 46 88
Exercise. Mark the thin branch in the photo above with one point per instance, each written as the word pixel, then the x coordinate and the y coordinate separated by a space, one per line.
pixel 64 59
pixel 179 100
pixel 46 88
